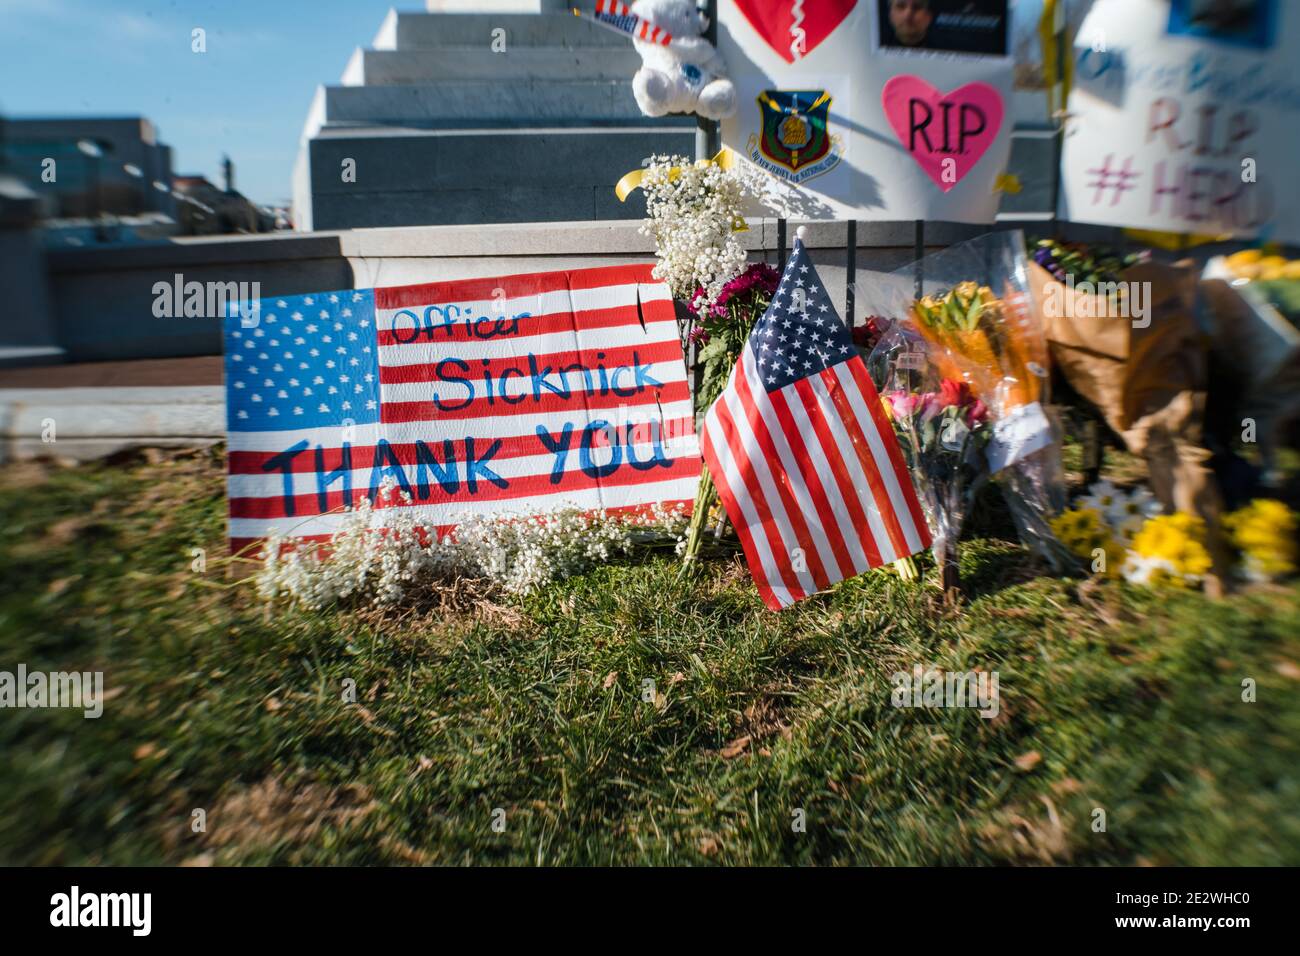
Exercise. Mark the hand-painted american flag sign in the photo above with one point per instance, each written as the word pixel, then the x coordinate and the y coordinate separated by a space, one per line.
pixel 515 395
pixel 804 459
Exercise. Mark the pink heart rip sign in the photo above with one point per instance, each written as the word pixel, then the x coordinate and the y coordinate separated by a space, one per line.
pixel 794 29
pixel 946 133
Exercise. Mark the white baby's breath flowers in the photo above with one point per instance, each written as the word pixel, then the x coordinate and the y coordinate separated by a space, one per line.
pixel 692 209
pixel 381 565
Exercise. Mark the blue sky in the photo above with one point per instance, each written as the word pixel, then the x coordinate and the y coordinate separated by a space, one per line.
pixel 247 95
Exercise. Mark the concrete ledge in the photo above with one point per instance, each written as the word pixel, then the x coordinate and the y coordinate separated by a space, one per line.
pixel 103 297
pixel 502 239
pixel 92 422
pixel 617 237
pixel 25 356
pixel 205 251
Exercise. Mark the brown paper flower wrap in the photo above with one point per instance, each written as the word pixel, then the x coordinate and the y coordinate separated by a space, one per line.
pixel 1147 378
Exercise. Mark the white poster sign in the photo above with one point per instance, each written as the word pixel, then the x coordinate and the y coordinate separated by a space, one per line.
pixel 871 109
pixel 1185 117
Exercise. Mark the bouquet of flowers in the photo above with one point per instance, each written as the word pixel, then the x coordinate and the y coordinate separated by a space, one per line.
pixel 867 335
pixel 719 330
pixel 942 429
pixel 974 313
pixel 1265 535
pixel 1091 264
pixel 1169 550
pixel 1088 536
pixel 694 211
pixel 1125 533
pixel 1102 525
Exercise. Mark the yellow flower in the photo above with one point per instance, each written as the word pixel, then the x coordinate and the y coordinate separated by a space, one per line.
pixel 1178 541
pixel 1265 533
pixel 1083 531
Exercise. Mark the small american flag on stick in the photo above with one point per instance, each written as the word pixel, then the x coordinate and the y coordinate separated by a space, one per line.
pixel 617 15
pixel 804 459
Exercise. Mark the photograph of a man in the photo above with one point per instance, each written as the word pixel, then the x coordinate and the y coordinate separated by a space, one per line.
pixel 1241 22
pixel 909 21
pixel 953 26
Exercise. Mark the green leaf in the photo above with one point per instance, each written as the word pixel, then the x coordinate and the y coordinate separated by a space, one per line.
pixel 715 349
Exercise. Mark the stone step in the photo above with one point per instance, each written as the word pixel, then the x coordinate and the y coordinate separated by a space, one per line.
pixel 431 177
pixel 468 104
pixel 92 422
pixel 418 67
pixel 497 6
pixel 426 31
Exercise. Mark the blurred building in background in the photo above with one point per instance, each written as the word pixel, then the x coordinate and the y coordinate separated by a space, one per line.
pixel 100 180
pixel 209 210
pixel 85 167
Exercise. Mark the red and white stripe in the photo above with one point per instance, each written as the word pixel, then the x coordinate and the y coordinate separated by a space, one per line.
pixel 812 479
pixel 619 16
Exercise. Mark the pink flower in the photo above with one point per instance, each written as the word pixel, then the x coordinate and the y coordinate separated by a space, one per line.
pixel 930 405
pixel 977 413
pixel 698 335
pixel 903 403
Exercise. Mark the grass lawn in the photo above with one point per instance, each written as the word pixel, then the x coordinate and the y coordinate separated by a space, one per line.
pixel 532 714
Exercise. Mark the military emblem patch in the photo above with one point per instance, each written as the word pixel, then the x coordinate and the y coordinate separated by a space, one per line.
pixel 795 143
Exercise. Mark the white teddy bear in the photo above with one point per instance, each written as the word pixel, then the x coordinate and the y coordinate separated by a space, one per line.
pixel 685 76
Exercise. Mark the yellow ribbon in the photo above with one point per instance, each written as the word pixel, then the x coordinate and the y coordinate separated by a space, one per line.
pixel 725 159
pixel 1047 37
pixel 1007 183
pixel 632 181
pixel 1173 241
pixel 778 108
